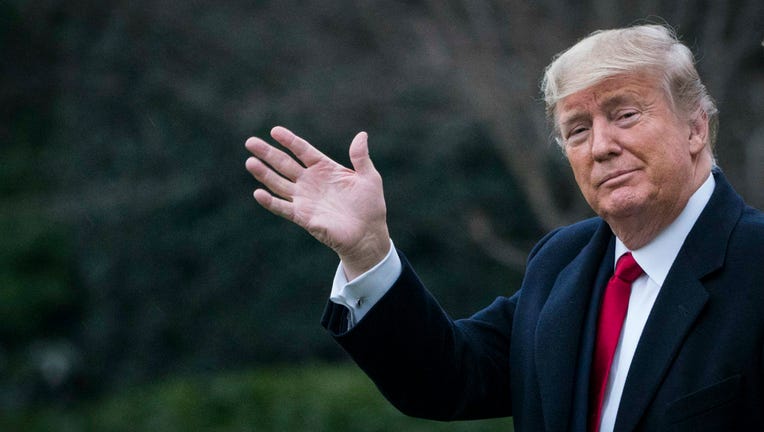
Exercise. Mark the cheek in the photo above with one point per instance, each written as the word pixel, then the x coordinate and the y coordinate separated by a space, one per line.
pixel 668 152
pixel 581 166
pixel 669 168
pixel 582 174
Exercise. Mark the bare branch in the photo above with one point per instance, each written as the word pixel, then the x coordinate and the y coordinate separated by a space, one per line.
pixel 482 232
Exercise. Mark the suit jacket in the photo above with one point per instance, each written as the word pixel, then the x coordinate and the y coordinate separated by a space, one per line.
pixel 699 364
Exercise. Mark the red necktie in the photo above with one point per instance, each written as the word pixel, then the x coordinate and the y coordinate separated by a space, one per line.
pixel 613 311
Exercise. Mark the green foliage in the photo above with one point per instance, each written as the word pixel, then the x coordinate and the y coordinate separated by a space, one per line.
pixel 35 279
pixel 142 160
pixel 314 397
pixel 41 299
pixel 40 305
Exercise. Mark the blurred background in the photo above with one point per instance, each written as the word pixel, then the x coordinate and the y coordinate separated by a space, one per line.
pixel 142 288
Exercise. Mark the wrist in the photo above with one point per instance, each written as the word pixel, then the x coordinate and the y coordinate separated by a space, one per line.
pixel 366 256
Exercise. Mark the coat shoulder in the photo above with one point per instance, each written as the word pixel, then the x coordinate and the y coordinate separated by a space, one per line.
pixel 752 223
pixel 747 237
pixel 567 241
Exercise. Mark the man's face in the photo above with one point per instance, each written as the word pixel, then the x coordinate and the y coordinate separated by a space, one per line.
pixel 631 155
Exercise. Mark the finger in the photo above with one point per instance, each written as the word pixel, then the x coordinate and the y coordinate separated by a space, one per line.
pixel 305 152
pixel 277 159
pixel 269 178
pixel 274 205
pixel 359 154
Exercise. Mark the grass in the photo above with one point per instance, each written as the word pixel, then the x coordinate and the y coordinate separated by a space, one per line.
pixel 315 398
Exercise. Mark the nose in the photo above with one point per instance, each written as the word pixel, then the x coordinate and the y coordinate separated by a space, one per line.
pixel 604 140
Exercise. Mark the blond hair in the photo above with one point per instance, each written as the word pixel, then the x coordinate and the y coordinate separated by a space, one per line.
pixel 649 49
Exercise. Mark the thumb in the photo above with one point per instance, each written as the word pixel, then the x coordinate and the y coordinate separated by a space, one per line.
pixel 359 154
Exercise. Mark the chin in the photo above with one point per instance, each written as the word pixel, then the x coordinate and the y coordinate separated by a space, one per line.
pixel 619 206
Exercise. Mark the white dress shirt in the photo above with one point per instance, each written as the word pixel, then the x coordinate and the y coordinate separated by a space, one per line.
pixel 655 258
pixel 363 292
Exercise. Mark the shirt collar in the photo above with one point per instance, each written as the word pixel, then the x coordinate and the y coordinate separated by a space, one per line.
pixel 657 257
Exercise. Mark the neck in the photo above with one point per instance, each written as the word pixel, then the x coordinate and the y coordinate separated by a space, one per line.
pixel 636 232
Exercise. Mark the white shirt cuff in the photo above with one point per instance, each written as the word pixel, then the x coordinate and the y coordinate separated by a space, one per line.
pixel 363 292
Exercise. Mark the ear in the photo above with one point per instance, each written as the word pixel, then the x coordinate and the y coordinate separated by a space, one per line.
pixel 698 138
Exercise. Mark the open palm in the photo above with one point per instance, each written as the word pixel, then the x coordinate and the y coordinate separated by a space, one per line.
pixel 341 207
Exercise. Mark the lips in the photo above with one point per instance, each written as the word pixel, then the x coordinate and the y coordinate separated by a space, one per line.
pixel 614 176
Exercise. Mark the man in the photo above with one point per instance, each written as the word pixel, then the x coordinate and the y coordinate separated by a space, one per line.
pixel 673 341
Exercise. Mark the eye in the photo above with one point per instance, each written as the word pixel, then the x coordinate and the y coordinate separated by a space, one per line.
pixel 576 133
pixel 627 117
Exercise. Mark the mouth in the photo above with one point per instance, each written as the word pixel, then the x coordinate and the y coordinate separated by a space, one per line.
pixel 615 177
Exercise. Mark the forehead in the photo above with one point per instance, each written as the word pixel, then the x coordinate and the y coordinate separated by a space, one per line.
pixel 614 90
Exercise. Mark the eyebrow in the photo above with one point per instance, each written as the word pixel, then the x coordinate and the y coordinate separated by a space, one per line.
pixel 609 103
pixel 573 118
pixel 618 99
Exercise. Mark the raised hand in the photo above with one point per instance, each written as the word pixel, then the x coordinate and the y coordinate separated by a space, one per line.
pixel 342 208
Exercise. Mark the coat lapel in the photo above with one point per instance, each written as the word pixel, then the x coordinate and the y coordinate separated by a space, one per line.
pixel 559 330
pixel 679 303
pixel 681 299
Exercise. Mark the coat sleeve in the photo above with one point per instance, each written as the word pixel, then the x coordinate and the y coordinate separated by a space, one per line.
pixel 425 363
